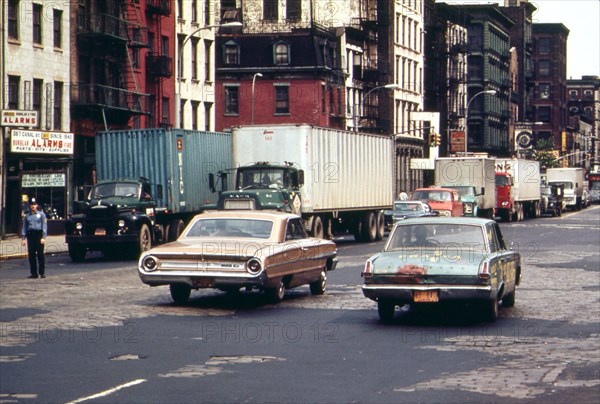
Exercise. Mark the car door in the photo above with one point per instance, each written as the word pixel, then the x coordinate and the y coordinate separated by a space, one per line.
pixel 508 260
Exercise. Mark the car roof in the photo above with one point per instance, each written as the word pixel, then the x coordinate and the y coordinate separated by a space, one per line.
pixel 479 221
pixel 246 214
pixel 434 189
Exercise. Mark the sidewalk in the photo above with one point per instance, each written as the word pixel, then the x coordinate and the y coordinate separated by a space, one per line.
pixel 11 247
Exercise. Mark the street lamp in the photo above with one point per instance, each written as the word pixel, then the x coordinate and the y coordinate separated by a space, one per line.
pixel 491 92
pixel 253 79
pixel 387 86
pixel 180 65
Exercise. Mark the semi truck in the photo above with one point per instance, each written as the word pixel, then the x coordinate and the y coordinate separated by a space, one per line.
pixel 150 183
pixel 572 179
pixel 473 178
pixel 594 184
pixel 338 181
pixel 517 189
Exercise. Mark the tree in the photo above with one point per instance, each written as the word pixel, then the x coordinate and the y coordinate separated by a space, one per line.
pixel 544 153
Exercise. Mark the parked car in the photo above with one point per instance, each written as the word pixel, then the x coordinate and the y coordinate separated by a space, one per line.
pixel 445 201
pixel 586 199
pixel 551 200
pixel 229 250
pixel 410 209
pixel 431 260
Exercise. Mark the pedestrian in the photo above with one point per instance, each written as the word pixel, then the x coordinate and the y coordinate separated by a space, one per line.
pixel 35 230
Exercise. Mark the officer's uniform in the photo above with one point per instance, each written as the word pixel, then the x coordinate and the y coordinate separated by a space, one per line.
pixel 35 228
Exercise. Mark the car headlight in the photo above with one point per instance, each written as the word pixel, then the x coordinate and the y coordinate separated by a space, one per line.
pixel 150 263
pixel 254 266
pixel 121 223
pixel 79 225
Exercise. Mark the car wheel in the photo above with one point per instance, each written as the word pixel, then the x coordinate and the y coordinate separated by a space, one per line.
pixel 380 226
pixel 491 310
pixel 180 292
pixel 145 240
pixel 277 293
pixel 318 287
pixel 386 311
pixel 509 300
pixel 77 253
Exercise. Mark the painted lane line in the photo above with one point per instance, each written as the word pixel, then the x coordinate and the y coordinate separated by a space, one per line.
pixel 108 392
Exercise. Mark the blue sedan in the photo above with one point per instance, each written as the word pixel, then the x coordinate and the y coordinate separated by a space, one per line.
pixel 431 260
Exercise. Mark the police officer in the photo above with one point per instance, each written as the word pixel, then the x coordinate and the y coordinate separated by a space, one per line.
pixel 35 230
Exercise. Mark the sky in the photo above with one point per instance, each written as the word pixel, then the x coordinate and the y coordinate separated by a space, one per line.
pixel 582 19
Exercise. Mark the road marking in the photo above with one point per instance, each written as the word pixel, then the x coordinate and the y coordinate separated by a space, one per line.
pixel 108 392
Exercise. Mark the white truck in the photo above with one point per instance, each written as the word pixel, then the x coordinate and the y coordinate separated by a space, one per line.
pixel 517 189
pixel 336 180
pixel 473 178
pixel 572 178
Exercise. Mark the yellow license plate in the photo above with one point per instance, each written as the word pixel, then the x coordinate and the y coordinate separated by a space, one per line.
pixel 426 296
pixel 100 232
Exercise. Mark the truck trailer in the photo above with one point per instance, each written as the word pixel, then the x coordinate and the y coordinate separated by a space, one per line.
pixel 572 178
pixel 150 183
pixel 336 180
pixel 473 178
pixel 517 189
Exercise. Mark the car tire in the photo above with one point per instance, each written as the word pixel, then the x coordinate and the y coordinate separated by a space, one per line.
pixel 491 310
pixel 318 287
pixel 509 300
pixel 77 253
pixel 386 311
pixel 276 294
pixel 180 293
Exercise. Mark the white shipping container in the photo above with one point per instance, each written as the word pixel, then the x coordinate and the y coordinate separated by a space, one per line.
pixel 342 170
pixel 526 177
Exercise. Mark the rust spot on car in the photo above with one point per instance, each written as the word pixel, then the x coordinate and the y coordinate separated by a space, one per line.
pixel 409 273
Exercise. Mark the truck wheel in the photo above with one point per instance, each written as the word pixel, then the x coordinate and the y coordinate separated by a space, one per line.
pixel 317 228
pixel 175 229
pixel 369 227
pixel 380 225
pixel 180 292
pixel 77 253
pixel 145 240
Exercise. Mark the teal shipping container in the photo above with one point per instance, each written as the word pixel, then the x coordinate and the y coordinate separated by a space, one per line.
pixel 176 162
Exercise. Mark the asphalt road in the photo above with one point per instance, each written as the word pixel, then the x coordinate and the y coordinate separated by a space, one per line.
pixel 93 332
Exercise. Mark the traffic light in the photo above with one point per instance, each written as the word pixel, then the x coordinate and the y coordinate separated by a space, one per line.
pixel 432 139
pixel 438 139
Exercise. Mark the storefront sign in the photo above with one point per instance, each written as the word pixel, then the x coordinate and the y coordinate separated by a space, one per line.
pixel 457 142
pixel 20 118
pixel 32 141
pixel 43 180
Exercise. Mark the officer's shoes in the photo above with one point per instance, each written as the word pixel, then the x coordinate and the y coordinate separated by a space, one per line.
pixel 32 276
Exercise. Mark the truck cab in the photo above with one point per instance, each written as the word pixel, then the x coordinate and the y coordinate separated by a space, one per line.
pixel 260 186
pixel 504 199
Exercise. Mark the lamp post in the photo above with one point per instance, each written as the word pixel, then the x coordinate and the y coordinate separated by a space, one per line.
pixel 491 92
pixel 252 113
pixel 232 24
pixel 387 86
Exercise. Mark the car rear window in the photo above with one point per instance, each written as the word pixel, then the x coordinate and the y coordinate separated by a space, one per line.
pixel 231 227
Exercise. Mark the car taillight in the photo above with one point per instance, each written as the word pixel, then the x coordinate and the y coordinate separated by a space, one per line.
pixel 484 271
pixel 368 271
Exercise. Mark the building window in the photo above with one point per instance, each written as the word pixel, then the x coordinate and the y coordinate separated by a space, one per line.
pixel 231 53
pixel 165 119
pixel 573 95
pixel 232 100
pixel 194 11
pixel 164 45
pixel 207 116
pixel 13 92
pixel 207 60
pixel 152 109
pixel 281 54
pixel 206 12
pixel 195 115
pixel 180 40
pixel 544 114
pixel 282 99
pixel 13 19
pixel 544 45
pixel 180 9
pixel 57 26
pixel 544 67
pixel 37 23
pixel 194 59
pixel 293 10
pixel 58 96
pixel 38 86
pixel 544 90
pixel 270 10
pixel 323 98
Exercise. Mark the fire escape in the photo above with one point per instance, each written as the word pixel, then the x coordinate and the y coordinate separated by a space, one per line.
pixel 109 39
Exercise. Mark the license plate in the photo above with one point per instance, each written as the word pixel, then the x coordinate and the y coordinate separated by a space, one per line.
pixel 425 296
pixel 100 232
pixel 202 282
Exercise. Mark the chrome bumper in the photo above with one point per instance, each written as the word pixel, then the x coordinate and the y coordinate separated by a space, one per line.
pixel 404 293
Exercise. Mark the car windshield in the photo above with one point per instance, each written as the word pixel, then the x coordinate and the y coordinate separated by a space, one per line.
pixel 440 196
pixel 231 227
pixel 408 207
pixel 465 191
pixel 566 184
pixel 118 189
pixel 502 180
pixel 437 236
